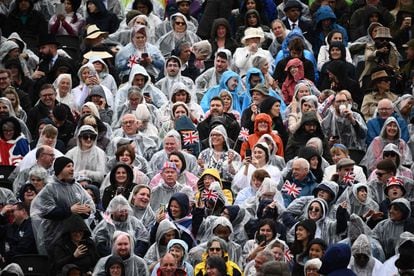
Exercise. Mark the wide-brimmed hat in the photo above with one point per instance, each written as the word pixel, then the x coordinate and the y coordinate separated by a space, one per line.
pixel 383 32
pixel 253 33
pixel 292 4
pixel 98 54
pixel 93 32
pixel 47 39
pixel 261 88
pixel 379 75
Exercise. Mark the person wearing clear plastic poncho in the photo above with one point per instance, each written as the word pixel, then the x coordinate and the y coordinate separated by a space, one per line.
pixel 267 191
pixel 123 245
pixel 171 142
pixel 58 200
pixel 89 159
pixel 220 227
pixel 119 218
pixel 140 77
pixel 179 32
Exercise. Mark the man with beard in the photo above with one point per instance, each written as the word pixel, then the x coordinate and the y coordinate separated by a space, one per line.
pixel 173 75
pixel 51 64
pixel 212 76
pixel 123 245
pixel 218 116
pixel 120 218
pixel 6 81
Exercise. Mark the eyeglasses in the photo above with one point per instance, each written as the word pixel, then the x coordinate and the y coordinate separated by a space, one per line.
pixel 179 23
pixel 384 109
pixel 314 209
pixel 8 130
pixel 212 249
pixel 88 136
pixel 50 154
pixel 128 123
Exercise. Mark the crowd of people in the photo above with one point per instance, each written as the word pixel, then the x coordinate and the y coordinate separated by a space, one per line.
pixel 219 138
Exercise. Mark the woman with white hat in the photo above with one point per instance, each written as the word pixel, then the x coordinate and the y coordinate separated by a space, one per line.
pixel 243 57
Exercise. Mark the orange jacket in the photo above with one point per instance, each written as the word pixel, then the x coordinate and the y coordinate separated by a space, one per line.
pixel 253 138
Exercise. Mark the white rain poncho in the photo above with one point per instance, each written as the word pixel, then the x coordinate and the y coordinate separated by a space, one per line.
pixel 274 159
pixel 81 92
pixel 56 196
pixel 221 164
pixel 6 196
pixel 134 265
pixel 166 84
pixel 387 231
pixel 325 227
pixel 159 158
pixel 164 114
pixel 145 215
pixel 375 149
pixel 68 99
pixel 90 162
pixel 122 59
pixel 362 246
pixel 106 228
pixel 234 249
pixel 107 80
pixel 162 193
pixel 158 98
pixel 268 186
pixel 355 205
pixel 23 126
pixel 158 250
pixel 170 40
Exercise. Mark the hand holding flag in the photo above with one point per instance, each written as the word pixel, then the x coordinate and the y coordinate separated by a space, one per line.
pixel 244 134
pixel 191 138
pixel 349 178
pixel 291 189
pixel 209 195
pixel 133 59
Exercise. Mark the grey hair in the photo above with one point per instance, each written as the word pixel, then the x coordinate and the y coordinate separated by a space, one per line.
pixel 38 172
pixel 223 244
pixel 303 163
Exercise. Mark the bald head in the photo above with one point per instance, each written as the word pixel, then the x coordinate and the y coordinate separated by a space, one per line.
pixel 168 265
pixel 300 168
pixel 385 108
pixel 45 156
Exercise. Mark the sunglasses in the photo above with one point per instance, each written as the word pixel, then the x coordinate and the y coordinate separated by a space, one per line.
pixel 314 209
pixel 179 23
pixel 88 136
pixel 212 249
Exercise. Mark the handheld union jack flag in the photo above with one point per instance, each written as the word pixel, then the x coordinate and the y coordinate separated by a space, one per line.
pixel 133 59
pixel 191 138
pixel 288 255
pixel 349 178
pixel 244 134
pixel 209 195
pixel 291 189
